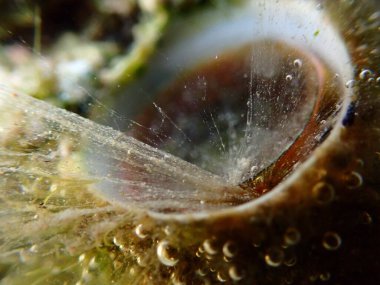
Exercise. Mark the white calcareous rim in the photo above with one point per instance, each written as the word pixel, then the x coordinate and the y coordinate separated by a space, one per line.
pixel 226 28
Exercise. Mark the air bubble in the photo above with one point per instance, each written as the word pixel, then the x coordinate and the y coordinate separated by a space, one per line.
pixel 209 247
pixel 323 192
pixel 33 248
pixel 320 173
pixel 359 162
pixel 209 257
pixel 290 261
pixel 168 230
pixel 256 240
pixel 365 218
pixel 354 180
pixel 200 272
pixel 289 280
pixel 176 280
pixel 132 271
pixel 86 276
pixel 93 264
pixel 374 17
pixel 371 81
pixel 254 168
pixel 118 243
pixel 313 278
pixel 375 51
pixel 227 259
pixel 289 77
pixel 53 187
pixel 320 6
pixel 141 261
pixel 198 254
pixel 350 83
pixel 81 257
pixel 325 276
pixel 229 249
pixel 274 257
pixel 140 232
pixel 24 256
pixel 235 273
pixel 221 277
pixel 165 254
pixel 331 241
pixel 292 236
pixel 298 63
pixel 365 73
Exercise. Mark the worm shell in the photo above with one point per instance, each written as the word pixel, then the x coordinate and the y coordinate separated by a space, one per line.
pixel 69 216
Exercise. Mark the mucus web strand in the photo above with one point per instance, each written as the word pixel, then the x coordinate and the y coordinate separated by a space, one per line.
pixel 118 168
